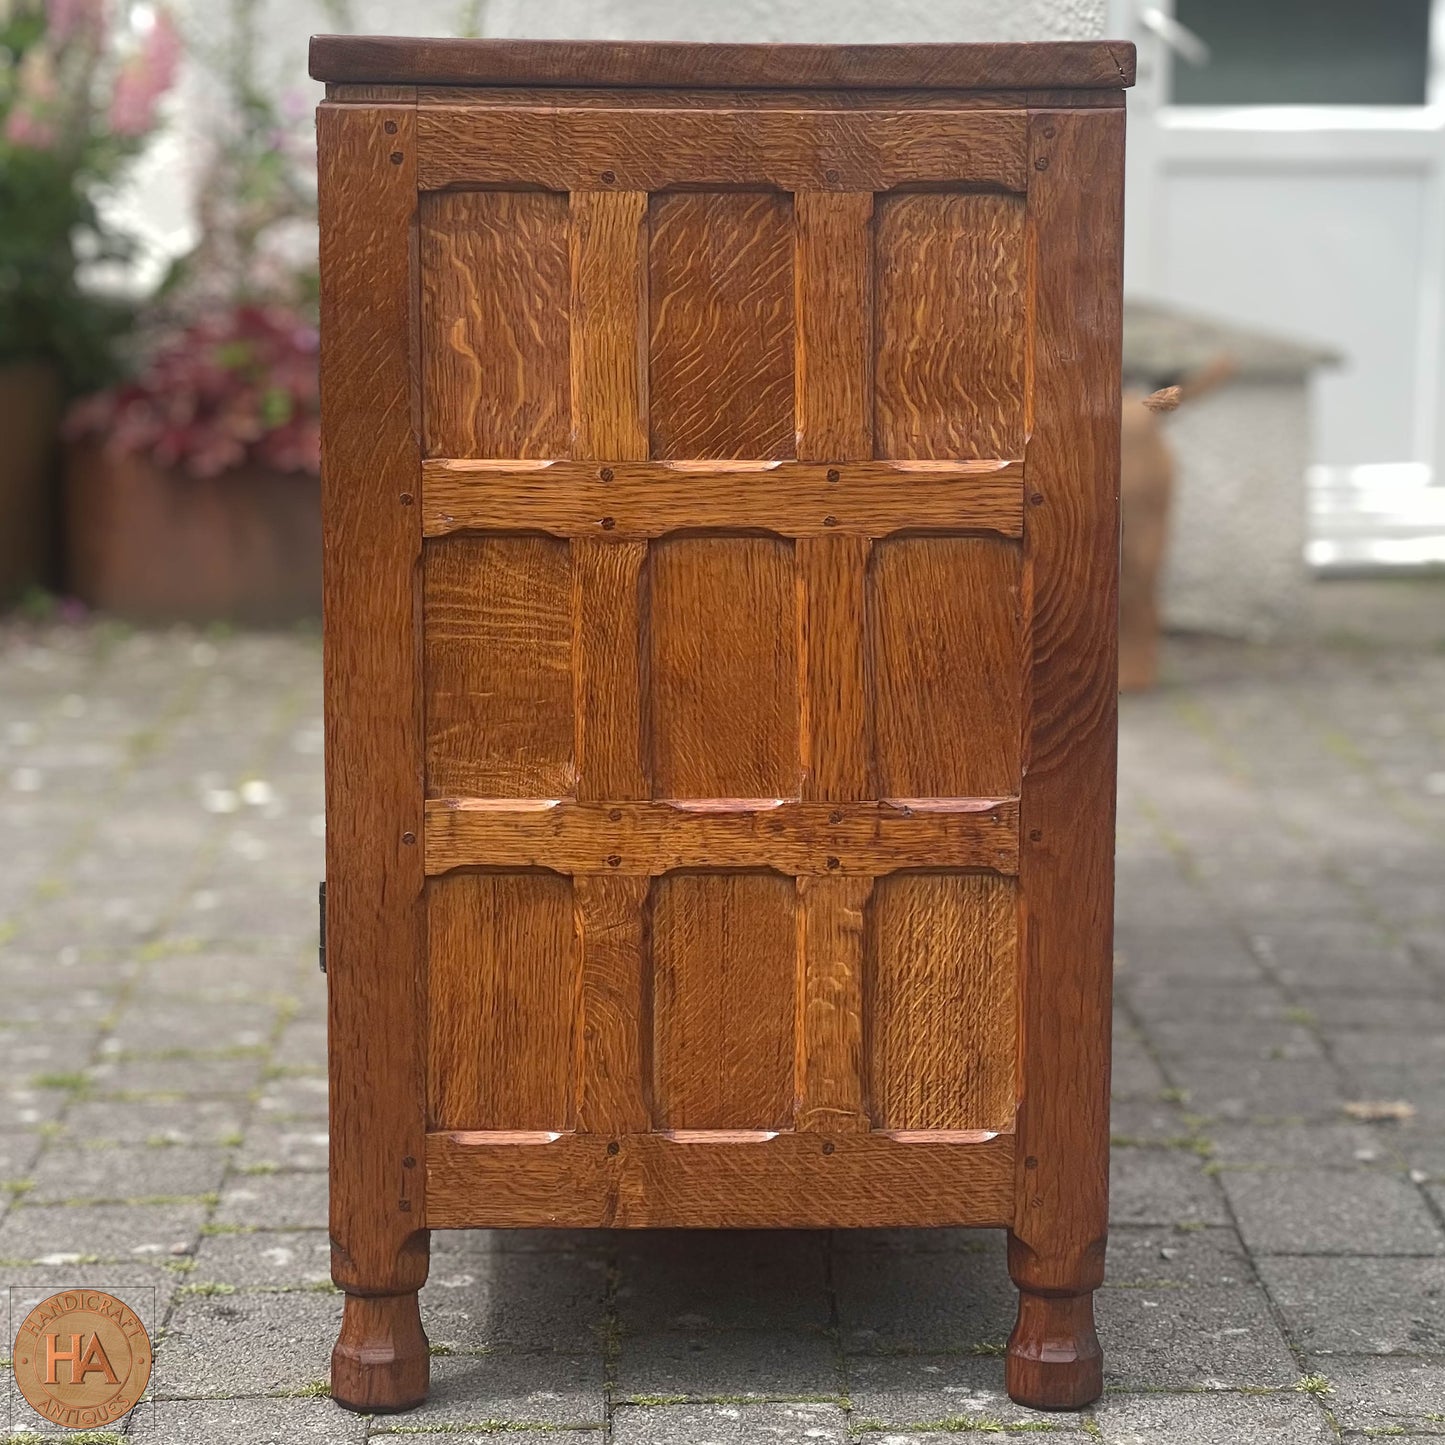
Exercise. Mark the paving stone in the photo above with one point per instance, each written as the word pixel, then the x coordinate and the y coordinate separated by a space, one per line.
pixel 727 1364
pixel 924 1302
pixel 264 1259
pixel 1176 1337
pixel 533 1299
pixel 177 1076
pixel 801 1424
pixel 130 1172
pixel 898 1391
pixel 42 1232
pixel 1162 1186
pixel 1244 1038
pixel 275 1201
pixel 1331 1211
pixel 1149 1120
pixel 724 1279
pixel 246 1344
pixel 1212 1419
pixel 1339 1146
pixel 1360 1306
pixel 1134 1074
pixel 248 1421
pixel 301 1145
pixel 1153 1256
pixel 294 1097
pixel 150 1025
pixel 1383 1394
pixel 1237 1089
pixel 510 1387
pixel 158 1121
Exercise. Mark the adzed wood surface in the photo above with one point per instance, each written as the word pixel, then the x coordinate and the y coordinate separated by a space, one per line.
pixel 386 59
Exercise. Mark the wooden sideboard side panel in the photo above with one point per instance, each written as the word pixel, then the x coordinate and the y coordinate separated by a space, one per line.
pixel 371 480
pixel 1056 1247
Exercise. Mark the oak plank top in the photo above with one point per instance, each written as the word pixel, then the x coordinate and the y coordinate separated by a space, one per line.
pixel 406 60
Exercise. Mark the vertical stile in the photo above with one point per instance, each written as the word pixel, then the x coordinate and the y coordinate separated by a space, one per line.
pixel 609 424
pixel 834 281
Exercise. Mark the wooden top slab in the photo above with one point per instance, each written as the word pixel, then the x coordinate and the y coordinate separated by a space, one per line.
pixel 404 60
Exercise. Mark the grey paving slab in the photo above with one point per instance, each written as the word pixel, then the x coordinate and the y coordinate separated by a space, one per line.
pixel 1212 1419
pixel 1208 1338
pixel 157 1121
pixel 41 1232
pixel 274 1201
pixel 724 1364
pixel 1331 1211
pixel 899 1391
pixel 1360 1306
pixel 528 1389
pixel 248 1421
pixel 727 1424
pixel 246 1344
pixel 130 1172
pixel 1384 1394
pixel 1162 1186
pixel 1342 1145
pixel 264 1259
pixel 890 1301
pixel 1270 1089
pixel 301 1145
pixel 1154 1256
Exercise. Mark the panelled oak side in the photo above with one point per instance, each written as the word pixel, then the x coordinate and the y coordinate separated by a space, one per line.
pixel 1066 864
pixel 374 924
pixel 721 567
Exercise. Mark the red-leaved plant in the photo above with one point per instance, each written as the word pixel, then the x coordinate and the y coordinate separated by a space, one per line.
pixel 236 388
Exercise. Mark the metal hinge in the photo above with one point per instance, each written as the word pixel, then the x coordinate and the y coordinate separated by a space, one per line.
pixel 321 932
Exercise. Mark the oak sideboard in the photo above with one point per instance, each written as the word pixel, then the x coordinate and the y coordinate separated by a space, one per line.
pixel 720 470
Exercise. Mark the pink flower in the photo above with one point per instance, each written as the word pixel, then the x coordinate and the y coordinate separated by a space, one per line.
pixel 32 118
pixel 82 20
pixel 144 79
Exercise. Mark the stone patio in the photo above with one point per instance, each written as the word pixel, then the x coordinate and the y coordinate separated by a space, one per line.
pixel 1277 1270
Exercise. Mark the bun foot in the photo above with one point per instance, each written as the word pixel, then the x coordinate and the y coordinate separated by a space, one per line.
pixel 381 1362
pixel 1054 1361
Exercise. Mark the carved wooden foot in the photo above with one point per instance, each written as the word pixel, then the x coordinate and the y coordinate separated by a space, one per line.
pixel 381 1362
pixel 1054 1360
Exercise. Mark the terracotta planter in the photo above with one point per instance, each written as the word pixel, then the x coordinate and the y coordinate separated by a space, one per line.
pixel 29 416
pixel 161 546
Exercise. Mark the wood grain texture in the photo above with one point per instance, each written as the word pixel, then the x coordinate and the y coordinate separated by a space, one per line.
pixel 834 269
pixel 723 1002
pixel 643 500
pixel 1071 551
pixel 373 704
pixel 947 666
pixel 503 975
pixel 770 1181
pixel 940 1002
pixel 837 717
pixel 614 1041
pixel 609 318
pixel 830 1072
pixel 495 297
pixel 499 668
pixel 657 150
pixel 720 293
pixel 652 838
pixel 752 98
pixel 949 364
pixel 607 609
pixel 385 59
pixel 723 668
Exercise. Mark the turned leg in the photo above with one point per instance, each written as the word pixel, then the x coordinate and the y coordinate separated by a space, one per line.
pixel 381 1362
pixel 1054 1361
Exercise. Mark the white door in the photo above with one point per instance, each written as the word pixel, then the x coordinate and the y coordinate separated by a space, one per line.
pixel 1293 180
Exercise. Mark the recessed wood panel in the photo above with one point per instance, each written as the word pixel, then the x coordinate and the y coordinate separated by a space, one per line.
pixel 498 668
pixel 940 1007
pixel 946 666
pixel 501 990
pixel 720 294
pixel 723 684
pixel 949 326
pixel 724 972
pixel 495 299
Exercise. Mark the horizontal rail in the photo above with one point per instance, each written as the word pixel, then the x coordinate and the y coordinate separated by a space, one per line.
pixel 651 838
pixel 643 500
pixel 732 1180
